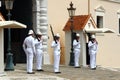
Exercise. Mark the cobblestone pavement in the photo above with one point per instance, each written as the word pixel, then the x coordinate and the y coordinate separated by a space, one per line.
pixel 68 73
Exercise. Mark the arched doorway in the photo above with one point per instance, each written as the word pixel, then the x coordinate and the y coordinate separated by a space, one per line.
pixel 21 12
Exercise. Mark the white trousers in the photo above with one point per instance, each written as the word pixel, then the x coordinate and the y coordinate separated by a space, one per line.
pixel 92 59
pixel 29 54
pixel 39 57
pixel 76 57
pixel 56 61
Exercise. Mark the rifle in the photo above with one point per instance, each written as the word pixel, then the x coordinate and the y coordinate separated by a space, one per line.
pixel 36 35
pixel 53 34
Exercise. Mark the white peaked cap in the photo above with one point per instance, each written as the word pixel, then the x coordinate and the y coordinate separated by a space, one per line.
pixel 93 36
pixel 39 33
pixel 77 35
pixel 58 35
pixel 30 32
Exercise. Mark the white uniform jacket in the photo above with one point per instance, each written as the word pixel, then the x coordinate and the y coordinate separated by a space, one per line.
pixel 29 43
pixel 56 47
pixel 38 44
pixel 76 45
pixel 93 47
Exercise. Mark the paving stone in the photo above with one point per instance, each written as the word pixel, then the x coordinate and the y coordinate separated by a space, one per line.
pixel 68 73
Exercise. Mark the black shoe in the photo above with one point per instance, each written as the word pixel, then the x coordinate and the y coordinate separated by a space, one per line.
pixel 57 72
pixel 77 67
pixel 40 70
pixel 93 68
pixel 30 72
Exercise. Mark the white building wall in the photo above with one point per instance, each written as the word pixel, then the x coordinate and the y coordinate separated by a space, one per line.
pixel 109 53
pixel 68 48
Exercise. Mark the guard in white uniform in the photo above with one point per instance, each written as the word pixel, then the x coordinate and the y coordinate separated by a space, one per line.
pixel 93 47
pixel 76 49
pixel 56 46
pixel 29 48
pixel 39 51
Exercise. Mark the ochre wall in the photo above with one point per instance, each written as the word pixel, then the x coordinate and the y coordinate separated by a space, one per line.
pixel 109 44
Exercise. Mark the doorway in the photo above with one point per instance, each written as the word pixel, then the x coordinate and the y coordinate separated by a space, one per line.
pixel 21 12
pixel 87 49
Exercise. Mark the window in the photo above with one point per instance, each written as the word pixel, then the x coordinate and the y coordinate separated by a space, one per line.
pixel 100 21
pixel 119 25
pixel 100 11
pixel 118 14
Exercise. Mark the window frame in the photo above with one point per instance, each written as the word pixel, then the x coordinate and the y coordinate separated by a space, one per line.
pixel 100 11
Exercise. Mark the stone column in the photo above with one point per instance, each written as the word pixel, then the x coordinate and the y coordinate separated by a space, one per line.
pixel 40 23
pixel 1 53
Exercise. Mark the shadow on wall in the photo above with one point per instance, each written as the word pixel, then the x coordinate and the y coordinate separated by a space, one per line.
pixel 62 56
